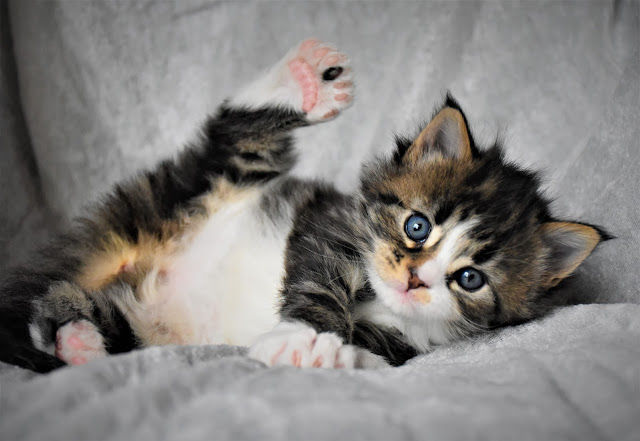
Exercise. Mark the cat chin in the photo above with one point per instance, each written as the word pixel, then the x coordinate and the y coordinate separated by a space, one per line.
pixel 422 325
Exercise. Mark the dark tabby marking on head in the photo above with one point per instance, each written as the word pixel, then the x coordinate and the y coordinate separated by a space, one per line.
pixel 503 202
pixel 388 198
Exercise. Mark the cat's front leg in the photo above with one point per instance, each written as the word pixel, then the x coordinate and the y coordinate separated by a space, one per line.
pixel 248 140
pixel 294 343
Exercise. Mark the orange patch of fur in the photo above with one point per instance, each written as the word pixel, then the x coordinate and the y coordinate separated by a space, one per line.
pixel 121 259
pixel 421 295
pixel 386 265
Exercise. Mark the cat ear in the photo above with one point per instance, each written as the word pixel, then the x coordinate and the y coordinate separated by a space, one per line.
pixel 447 135
pixel 568 244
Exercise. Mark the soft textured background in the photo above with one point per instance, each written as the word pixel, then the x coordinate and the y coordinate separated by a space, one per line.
pixel 92 91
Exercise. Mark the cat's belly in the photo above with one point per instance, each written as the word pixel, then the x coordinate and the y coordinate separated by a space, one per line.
pixel 223 284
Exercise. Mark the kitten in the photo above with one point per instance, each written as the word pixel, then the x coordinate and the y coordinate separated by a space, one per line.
pixel 221 245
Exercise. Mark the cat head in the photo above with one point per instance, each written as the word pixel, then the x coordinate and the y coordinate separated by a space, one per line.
pixel 460 235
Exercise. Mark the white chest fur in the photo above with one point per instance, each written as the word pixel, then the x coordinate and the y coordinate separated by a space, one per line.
pixel 421 333
pixel 222 286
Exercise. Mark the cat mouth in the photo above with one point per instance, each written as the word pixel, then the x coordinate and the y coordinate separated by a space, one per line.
pixel 419 295
pixel 410 291
pixel 416 289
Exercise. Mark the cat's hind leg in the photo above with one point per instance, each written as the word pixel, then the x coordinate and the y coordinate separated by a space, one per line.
pixel 313 78
pixel 87 325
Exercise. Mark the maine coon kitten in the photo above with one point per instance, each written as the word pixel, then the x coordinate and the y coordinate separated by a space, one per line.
pixel 221 246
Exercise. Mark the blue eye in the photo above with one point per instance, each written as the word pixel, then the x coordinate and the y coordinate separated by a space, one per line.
pixel 470 279
pixel 417 227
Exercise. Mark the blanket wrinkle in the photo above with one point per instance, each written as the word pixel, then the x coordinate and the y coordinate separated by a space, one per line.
pixel 564 395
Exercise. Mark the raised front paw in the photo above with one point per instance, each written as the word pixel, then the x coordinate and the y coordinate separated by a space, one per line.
pixel 79 342
pixel 324 77
pixel 297 344
pixel 314 79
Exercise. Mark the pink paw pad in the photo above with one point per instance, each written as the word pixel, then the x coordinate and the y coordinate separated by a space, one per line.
pixel 275 357
pixel 79 342
pixel 75 342
pixel 315 66
pixel 296 358
pixel 306 78
pixel 78 359
pixel 308 44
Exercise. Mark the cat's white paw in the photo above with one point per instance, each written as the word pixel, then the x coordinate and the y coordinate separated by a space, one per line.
pixel 297 344
pixel 79 342
pixel 313 78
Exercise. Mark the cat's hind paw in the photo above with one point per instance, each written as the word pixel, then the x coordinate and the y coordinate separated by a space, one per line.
pixel 79 342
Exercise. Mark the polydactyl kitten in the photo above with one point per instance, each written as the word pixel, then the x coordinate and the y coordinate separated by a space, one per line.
pixel 222 246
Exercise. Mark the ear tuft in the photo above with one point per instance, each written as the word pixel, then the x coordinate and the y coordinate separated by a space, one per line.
pixel 446 135
pixel 569 243
pixel 450 101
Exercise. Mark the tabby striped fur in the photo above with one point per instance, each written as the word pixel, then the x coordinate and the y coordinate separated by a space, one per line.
pixel 340 254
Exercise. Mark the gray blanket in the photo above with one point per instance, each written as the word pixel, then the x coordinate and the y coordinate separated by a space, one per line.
pixel 93 91
pixel 574 375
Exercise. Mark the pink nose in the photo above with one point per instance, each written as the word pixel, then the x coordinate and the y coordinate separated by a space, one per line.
pixel 414 280
pixel 429 272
